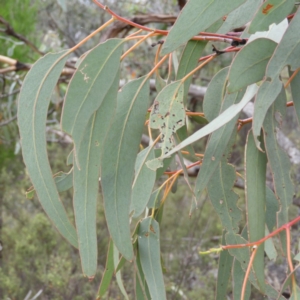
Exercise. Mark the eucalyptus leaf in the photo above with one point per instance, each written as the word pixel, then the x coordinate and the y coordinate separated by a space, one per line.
pixel 119 155
pixel 32 114
pixel 88 88
pixel 196 16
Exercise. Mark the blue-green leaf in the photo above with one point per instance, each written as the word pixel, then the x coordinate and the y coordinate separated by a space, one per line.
pixel 217 145
pixel 267 94
pixel 287 51
pixel 250 63
pixel 255 170
pixel 86 179
pixel 32 114
pixel 271 11
pixel 223 198
pixel 89 86
pixel 143 182
pixel 149 251
pixel 108 271
pixel 196 16
pixel 119 155
pixel 240 16
pixel 224 272
pixel 280 166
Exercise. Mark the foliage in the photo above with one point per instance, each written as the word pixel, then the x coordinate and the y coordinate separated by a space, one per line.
pixel 106 125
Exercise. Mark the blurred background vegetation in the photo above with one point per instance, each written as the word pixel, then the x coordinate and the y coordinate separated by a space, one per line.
pixel 34 257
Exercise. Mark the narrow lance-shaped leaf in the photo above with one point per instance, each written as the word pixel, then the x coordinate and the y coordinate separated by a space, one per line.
pixel 143 182
pixel 188 61
pixel 224 272
pixel 223 198
pixel 240 16
pixel 288 49
pixel 217 145
pixel 250 63
pixel 238 275
pixel 214 95
pixel 267 94
pixel 86 180
pixel 141 287
pixel 118 274
pixel 32 114
pixel 119 155
pixel 255 169
pixel 89 86
pixel 271 11
pixel 108 271
pixel 196 16
pixel 280 166
pixel 149 251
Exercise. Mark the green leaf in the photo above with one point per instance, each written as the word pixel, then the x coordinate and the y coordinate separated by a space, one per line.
pixel 223 198
pixel 255 178
pixel 267 94
pixel 149 251
pixel 32 114
pixel 168 114
pixel 217 145
pixel 89 86
pixel 271 11
pixel 188 61
pixel 272 207
pixel 238 275
pixel 119 155
pixel 269 246
pixel 240 16
pixel 196 16
pixel 214 95
pixel 218 122
pixel 86 179
pixel 224 272
pixel 280 166
pixel 143 183
pixel 108 271
pixel 249 65
pixel 141 287
pixel 118 274
pixel 287 51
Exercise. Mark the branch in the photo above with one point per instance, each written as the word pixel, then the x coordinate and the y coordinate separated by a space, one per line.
pixel 120 26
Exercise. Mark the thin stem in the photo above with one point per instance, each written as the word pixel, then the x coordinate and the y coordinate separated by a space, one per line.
pixel 196 154
pixel 135 33
pixel 275 232
pixel 254 250
pixel 90 36
pixel 206 35
pixel 136 45
pixel 291 78
pixel 198 68
pixel 289 258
